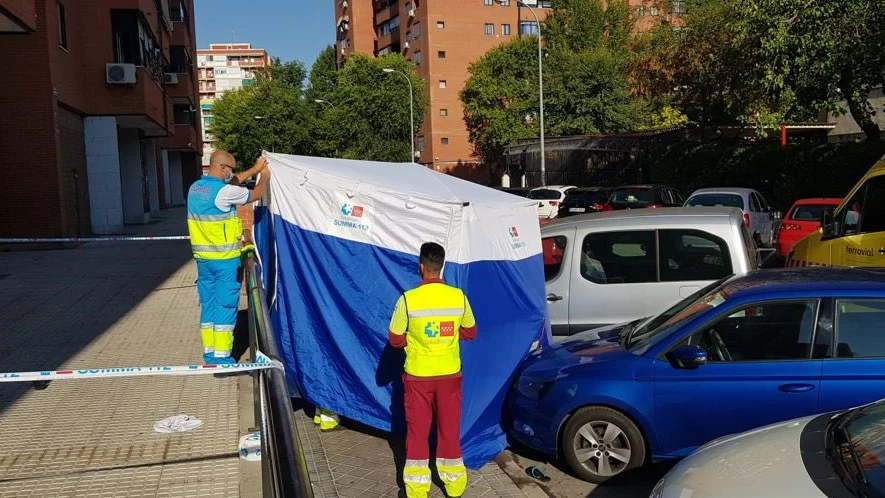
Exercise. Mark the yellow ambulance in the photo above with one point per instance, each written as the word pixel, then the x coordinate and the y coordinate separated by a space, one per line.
pixel 852 235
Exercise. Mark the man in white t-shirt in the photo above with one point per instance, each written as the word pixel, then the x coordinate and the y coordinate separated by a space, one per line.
pixel 215 232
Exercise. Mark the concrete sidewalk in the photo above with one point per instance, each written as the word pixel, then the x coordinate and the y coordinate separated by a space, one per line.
pixel 110 305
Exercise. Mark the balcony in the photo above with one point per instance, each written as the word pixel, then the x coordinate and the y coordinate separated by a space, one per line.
pixel 18 16
pixel 184 139
pixel 142 105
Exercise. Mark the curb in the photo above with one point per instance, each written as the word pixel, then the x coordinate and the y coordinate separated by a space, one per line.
pixel 525 484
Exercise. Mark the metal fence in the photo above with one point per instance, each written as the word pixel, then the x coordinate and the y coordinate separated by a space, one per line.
pixel 284 470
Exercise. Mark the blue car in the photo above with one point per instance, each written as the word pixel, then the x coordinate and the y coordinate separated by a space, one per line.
pixel 741 353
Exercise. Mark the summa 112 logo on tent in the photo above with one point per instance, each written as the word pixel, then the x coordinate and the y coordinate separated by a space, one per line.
pixel 515 243
pixel 351 217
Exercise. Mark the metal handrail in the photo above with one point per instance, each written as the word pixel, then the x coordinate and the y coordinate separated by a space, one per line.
pixel 284 469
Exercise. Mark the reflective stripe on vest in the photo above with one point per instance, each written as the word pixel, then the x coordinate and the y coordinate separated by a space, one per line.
pixel 215 234
pixel 434 312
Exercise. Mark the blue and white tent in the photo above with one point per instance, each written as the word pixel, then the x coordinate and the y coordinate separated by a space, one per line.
pixel 339 241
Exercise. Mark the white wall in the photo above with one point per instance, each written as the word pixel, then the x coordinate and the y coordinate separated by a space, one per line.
pixel 175 179
pixel 167 190
pixel 153 181
pixel 131 177
pixel 103 172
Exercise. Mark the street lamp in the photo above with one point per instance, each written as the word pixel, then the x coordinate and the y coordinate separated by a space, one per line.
pixel 411 110
pixel 540 90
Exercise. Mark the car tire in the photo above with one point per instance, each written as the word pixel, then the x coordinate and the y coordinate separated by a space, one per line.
pixel 595 462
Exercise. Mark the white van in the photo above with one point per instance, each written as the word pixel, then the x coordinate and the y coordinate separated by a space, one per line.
pixel 618 266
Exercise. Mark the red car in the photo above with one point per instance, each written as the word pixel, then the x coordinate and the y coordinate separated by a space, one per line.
pixel 802 219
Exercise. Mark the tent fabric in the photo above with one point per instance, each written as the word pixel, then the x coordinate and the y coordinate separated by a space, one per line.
pixel 339 243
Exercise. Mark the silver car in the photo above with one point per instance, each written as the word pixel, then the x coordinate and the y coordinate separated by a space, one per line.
pixel 618 266
pixel 827 455
pixel 759 217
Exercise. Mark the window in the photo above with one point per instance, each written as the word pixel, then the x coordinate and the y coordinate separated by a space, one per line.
pixel 489 3
pixel 420 143
pixel 553 249
pixel 859 328
pixel 640 11
pixel 678 8
pixel 442 83
pixel 416 30
pixel 388 26
pixel 754 204
pixel 528 28
pixel 444 141
pixel 653 11
pixel 768 331
pixel 443 112
pixel 440 25
pixel 179 60
pixel 134 43
pixel 505 3
pixel 441 54
pixel 505 29
pixel 62 27
pixel 545 4
pixel 408 36
pixel 711 200
pixel 809 212
pixel 183 115
pixel 489 29
pixel 690 255
pixel 418 58
pixel 619 257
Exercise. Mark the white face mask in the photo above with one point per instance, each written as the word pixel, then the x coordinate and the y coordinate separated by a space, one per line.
pixel 228 175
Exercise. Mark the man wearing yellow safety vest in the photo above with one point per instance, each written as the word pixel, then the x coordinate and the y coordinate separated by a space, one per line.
pixel 428 322
pixel 215 232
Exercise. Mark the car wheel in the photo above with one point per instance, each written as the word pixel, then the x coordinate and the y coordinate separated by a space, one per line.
pixel 599 443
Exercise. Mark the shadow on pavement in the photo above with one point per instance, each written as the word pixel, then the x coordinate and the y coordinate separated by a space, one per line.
pixel 55 303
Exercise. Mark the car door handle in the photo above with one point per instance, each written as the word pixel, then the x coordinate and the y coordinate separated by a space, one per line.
pixel 796 388
pixel 553 297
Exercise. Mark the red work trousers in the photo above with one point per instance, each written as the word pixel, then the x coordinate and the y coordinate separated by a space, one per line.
pixel 423 399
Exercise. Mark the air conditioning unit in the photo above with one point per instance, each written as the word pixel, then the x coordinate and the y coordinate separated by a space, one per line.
pixel 120 74
pixel 407 45
pixel 411 12
pixel 344 4
pixel 170 78
pixel 343 51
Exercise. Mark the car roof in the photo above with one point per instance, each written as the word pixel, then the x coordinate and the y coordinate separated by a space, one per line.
pixel 821 279
pixel 724 190
pixel 589 189
pixel 818 200
pixel 644 185
pixel 675 215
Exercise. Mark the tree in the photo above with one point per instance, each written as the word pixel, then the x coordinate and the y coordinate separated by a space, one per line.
pixel 370 118
pixel 268 115
pixel 322 83
pixel 290 74
pixel 323 77
pixel 810 55
pixel 500 93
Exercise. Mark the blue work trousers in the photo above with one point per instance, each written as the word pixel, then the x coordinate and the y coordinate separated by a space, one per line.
pixel 218 284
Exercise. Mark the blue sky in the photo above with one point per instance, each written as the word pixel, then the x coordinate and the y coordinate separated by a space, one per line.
pixel 288 29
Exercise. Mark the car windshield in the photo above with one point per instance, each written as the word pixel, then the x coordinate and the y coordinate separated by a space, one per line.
pixel 865 431
pixel 707 298
pixel 714 200
pixel 544 194
pixel 809 212
pixel 586 196
pixel 634 195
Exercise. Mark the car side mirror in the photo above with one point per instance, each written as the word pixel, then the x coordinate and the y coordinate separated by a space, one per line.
pixel 687 357
pixel 829 225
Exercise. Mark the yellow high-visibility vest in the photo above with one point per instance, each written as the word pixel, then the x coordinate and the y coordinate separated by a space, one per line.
pixel 215 234
pixel 435 311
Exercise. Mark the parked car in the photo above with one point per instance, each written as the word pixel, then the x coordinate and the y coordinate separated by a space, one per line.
pixel 645 196
pixel 802 219
pixel 585 200
pixel 744 352
pixel 759 217
pixel 834 454
pixel 854 234
pixel 522 192
pixel 549 198
pixel 612 267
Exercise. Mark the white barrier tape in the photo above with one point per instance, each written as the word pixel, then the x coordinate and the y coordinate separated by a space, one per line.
pixel 262 363
pixel 40 240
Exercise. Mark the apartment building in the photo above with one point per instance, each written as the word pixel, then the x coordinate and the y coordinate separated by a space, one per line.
pixel 222 67
pixel 97 113
pixel 443 37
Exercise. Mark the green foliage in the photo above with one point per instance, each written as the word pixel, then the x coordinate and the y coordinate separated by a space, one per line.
pixel 371 108
pixel 289 74
pixel 585 80
pixel 783 174
pixel 323 77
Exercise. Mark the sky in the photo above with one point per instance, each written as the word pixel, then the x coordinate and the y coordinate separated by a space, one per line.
pixel 288 29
